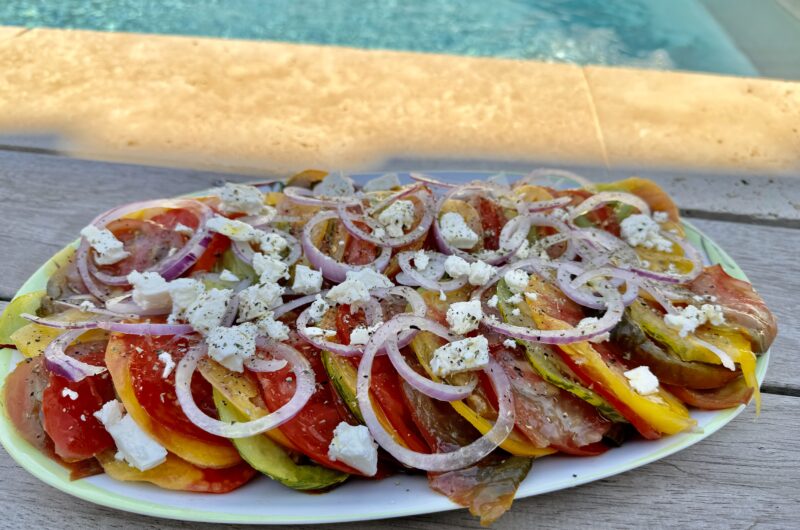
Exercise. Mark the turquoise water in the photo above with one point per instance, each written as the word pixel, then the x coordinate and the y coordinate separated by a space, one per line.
pixel 665 34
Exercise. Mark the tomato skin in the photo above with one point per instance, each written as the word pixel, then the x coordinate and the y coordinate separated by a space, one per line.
pixel 311 430
pixel 76 433
pixel 157 394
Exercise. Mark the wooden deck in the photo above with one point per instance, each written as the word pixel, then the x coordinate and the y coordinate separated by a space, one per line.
pixel 744 476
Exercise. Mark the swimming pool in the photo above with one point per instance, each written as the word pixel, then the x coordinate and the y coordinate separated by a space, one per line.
pixel 665 34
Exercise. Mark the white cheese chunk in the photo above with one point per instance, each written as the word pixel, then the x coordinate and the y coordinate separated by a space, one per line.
pixel 642 380
pixel 274 329
pixel 228 276
pixel 306 280
pixel 515 299
pixel 184 230
pixel 133 444
pixel 362 334
pixel 463 317
pixel 517 280
pixel 231 346
pixel 150 290
pixel 258 300
pixel 349 292
pixel 241 198
pixel 421 260
pixel 460 356
pixel 318 308
pixel 335 185
pixel 270 243
pixel 493 301
pixel 641 230
pixel 397 217
pixel 313 331
pixel 660 217
pixel 456 267
pixel 108 249
pixel 510 343
pixel 183 292
pixel 457 232
pixel 235 230
pixel 383 183
pixel 354 446
pixel 269 268
pixel 207 311
pixel 370 278
pixel 689 318
pixel 169 363
pixel 480 273
pixel 87 306
pixel 68 392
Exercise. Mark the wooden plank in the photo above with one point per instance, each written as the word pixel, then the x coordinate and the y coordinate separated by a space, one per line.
pixel 740 477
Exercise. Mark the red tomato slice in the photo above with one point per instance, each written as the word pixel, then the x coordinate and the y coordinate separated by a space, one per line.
pixel 76 433
pixel 218 245
pixel 359 252
pixel 156 394
pixel 147 241
pixel 492 222
pixel 311 430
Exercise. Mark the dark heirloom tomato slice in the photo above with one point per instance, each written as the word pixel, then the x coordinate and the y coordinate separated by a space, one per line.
pixel 359 252
pixel 69 422
pixel 156 394
pixel 311 430
pixel 733 394
pixel 492 222
pixel 215 249
pixel 148 243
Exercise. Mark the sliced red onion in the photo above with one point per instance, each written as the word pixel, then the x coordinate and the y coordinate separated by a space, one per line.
pixel 573 288
pixel 349 220
pixel 304 376
pixel 405 192
pixel 306 197
pixel 146 328
pixel 604 197
pixel 419 177
pixel 540 176
pixel 457 459
pixel 82 262
pixel 421 279
pixel 60 324
pixel 61 364
pixel 440 391
pixel 230 313
pixel 294 304
pixel 690 253
pixel 330 268
pixel 255 364
pixel 244 251
pixel 124 306
pixel 418 307
pixel 524 207
pixel 724 358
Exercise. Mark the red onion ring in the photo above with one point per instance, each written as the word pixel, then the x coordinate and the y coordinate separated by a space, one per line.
pixel 537 176
pixel 330 268
pixel 440 391
pixel 419 177
pixel 690 253
pixel 306 197
pixel 542 206
pixel 572 288
pixel 146 328
pixel 457 459
pixel 59 324
pixel 416 233
pixel 604 197
pixel 122 306
pixel 304 375
pixel 61 364
pixel 244 251
pixel 404 261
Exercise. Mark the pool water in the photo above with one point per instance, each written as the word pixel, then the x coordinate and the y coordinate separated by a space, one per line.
pixel 664 34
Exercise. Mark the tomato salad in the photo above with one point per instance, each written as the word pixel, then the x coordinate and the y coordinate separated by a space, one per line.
pixel 329 330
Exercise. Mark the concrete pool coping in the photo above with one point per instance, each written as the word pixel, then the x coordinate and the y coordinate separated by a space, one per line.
pixel 268 107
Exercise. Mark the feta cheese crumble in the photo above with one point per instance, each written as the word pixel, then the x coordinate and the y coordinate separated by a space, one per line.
pixel 335 185
pixel 349 292
pixel 457 232
pixel 460 356
pixel 86 306
pixel 108 249
pixel 274 329
pixel 68 392
pixel 642 380
pixel 397 217
pixel 510 343
pixel 150 290
pixel 318 308
pixel 689 318
pixel 183 292
pixel 208 309
pixel 493 301
pixel 258 300
pixel 133 444
pixel 660 217
pixel 464 317
pixel 383 183
pixel 241 198
pixel 184 230
pixel 169 364
pixel 228 276
pixel 421 260
pixel 235 230
pixel 353 445
pixel 362 334
pixel 231 346
pixel 369 278
pixel 314 331
pixel 517 280
pixel 306 280
pixel 456 267
pixel 480 273
pixel 269 268
pixel 641 230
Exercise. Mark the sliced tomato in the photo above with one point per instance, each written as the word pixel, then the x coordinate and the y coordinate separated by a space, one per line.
pixel 359 252
pixel 733 394
pixel 492 222
pixel 546 414
pixel 347 321
pixel 740 303
pixel 172 218
pixel 311 430
pixel 178 474
pixel 157 393
pixel 199 451
pixel 69 422
pixel 215 249
pixel 147 242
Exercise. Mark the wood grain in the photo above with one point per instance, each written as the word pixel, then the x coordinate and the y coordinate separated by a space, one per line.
pixel 741 477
